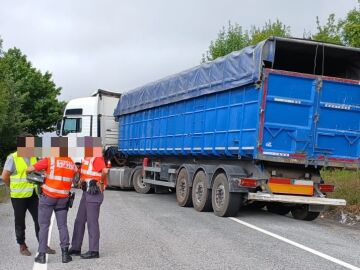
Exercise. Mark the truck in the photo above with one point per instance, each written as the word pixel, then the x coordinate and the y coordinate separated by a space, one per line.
pixel 91 116
pixel 253 128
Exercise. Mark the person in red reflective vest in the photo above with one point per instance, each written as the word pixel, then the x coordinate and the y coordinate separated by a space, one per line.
pixel 60 172
pixel 93 183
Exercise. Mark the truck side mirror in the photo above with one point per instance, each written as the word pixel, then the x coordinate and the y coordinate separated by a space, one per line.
pixel 58 127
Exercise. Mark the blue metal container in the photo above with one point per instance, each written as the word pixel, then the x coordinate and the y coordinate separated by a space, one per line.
pixel 279 116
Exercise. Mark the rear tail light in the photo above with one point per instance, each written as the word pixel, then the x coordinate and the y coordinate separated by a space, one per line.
pixel 326 188
pixel 246 182
pixel 145 162
pixel 277 180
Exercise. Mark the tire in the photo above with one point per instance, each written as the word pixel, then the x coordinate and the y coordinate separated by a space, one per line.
pixel 183 189
pixel 302 213
pixel 138 183
pixel 224 203
pixel 278 208
pixel 201 195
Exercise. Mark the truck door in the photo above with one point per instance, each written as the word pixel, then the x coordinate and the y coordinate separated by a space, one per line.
pixel 337 129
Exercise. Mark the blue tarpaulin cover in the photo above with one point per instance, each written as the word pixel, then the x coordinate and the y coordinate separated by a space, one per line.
pixel 233 70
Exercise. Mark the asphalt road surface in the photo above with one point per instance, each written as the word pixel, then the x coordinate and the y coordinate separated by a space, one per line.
pixel 152 232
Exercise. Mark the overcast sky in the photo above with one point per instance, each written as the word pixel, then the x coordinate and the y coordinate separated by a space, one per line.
pixel 119 45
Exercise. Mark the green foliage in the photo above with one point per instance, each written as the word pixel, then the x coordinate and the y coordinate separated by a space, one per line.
pixel 28 100
pixel 330 32
pixel 351 27
pixel 345 31
pixel 233 38
pixel 269 29
pixel 229 39
pixel 12 121
pixel 4 193
pixel 347 186
pixel 40 102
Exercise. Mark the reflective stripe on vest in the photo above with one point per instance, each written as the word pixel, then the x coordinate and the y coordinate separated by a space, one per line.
pixel 18 180
pixel 19 186
pixel 87 172
pixel 54 190
pixel 52 175
pixel 59 176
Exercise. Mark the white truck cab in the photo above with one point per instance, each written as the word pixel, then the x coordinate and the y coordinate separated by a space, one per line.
pixel 91 116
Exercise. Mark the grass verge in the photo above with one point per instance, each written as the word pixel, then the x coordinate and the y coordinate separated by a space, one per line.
pixel 4 193
pixel 347 186
pixel 4 190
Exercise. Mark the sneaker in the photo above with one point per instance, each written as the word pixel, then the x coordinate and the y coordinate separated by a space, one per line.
pixel 24 250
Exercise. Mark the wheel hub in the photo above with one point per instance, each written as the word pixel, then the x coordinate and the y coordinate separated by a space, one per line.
pixel 199 193
pixel 182 188
pixel 220 195
pixel 141 182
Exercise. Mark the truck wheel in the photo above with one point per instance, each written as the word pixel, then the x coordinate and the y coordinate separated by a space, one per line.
pixel 224 203
pixel 183 190
pixel 302 213
pixel 278 208
pixel 138 183
pixel 201 195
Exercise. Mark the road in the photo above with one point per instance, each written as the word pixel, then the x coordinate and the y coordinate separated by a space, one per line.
pixel 152 232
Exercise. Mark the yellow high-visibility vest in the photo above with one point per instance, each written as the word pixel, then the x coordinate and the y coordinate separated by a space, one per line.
pixel 20 187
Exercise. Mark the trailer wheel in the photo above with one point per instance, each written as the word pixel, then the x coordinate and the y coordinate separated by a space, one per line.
pixel 138 183
pixel 224 202
pixel 183 190
pixel 278 208
pixel 201 195
pixel 302 213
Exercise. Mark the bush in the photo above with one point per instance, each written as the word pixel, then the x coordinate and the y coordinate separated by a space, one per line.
pixel 347 186
pixel 4 193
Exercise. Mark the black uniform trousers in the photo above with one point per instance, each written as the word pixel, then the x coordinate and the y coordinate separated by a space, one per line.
pixel 21 205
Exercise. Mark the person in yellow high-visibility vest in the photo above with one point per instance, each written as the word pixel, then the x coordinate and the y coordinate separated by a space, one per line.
pixel 23 196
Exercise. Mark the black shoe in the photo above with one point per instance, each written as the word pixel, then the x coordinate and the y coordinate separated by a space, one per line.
pixel 90 255
pixel 41 258
pixel 74 252
pixel 65 255
pixel 49 250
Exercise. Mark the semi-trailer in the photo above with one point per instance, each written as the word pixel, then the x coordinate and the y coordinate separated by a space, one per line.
pixel 252 128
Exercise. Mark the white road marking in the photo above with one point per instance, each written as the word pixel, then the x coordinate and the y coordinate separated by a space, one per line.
pixel 39 266
pixel 313 251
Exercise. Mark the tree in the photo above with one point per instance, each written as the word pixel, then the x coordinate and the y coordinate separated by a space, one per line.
pixel 330 32
pixel 13 121
pixel 233 38
pixel 350 27
pixel 28 100
pixel 269 29
pixel 230 39
pixel 39 92
pixel 344 32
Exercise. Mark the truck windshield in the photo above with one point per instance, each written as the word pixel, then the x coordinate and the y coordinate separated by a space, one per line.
pixel 71 125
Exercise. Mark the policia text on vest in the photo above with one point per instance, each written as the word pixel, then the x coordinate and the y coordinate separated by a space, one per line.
pixel 60 172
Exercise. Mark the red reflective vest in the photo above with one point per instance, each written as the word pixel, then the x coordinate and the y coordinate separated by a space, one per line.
pixel 88 172
pixel 59 176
